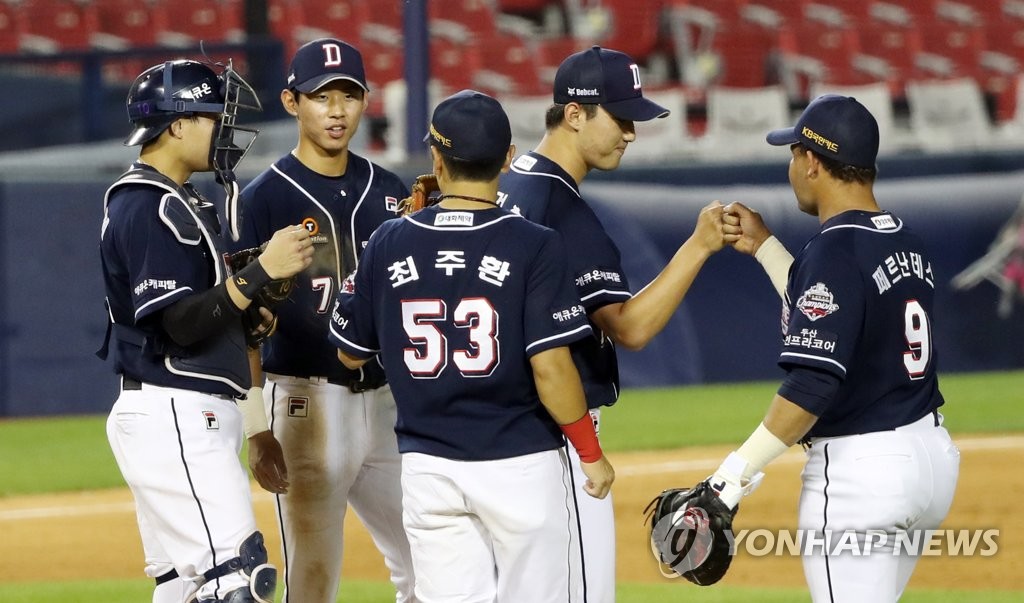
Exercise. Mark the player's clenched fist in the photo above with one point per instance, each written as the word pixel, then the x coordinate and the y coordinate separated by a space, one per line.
pixel 709 232
pixel 288 252
pixel 600 475
pixel 751 227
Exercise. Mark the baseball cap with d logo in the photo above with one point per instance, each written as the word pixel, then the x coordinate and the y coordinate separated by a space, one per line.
pixel 834 126
pixel 325 60
pixel 609 78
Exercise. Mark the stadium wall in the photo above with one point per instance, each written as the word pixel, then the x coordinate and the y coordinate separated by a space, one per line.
pixel 52 317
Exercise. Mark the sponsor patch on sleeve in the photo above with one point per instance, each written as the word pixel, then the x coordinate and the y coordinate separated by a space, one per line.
pixel 817 302
pixel 812 339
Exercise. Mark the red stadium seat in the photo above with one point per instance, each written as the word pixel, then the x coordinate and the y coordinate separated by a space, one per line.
pixel 384 63
pixel 193 21
pixel 958 46
pixel 127 23
pixel 12 27
pixel 853 11
pixel 633 27
pixel 463 19
pixel 813 52
pixel 56 25
pixel 724 10
pixel 508 66
pixel 788 12
pixel 887 53
pixel 342 19
pixel 453 64
pixel 747 55
pixel 551 52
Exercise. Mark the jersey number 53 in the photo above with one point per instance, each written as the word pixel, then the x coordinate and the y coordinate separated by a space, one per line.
pixel 425 322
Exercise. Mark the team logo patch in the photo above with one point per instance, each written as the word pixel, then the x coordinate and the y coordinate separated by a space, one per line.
pixel 298 407
pixel 311 225
pixel 455 218
pixel 817 302
pixel 883 222
pixel 391 204
pixel 524 162
pixel 211 420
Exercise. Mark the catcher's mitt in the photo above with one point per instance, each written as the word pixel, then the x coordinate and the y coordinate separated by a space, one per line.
pixel 257 328
pixel 420 196
pixel 691 533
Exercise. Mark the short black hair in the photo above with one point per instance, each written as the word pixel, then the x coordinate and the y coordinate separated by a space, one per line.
pixel 556 113
pixel 472 171
pixel 842 171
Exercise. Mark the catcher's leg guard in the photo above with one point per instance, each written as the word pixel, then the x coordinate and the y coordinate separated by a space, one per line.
pixel 251 562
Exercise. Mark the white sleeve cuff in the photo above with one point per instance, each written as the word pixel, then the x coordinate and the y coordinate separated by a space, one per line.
pixel 775 260
pixel 254 415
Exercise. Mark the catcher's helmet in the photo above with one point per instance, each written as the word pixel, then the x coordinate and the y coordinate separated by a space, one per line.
pixel 170 91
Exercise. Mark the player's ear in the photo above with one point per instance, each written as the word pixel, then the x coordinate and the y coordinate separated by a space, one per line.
pixel 436 163
pixel 813 164
pixel 573 115
pixel 290 101
pixel 508 158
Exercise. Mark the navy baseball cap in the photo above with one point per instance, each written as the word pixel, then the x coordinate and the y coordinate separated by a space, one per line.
pixel 837 127
pixel 609 78
pixel 321 61
pixel 471 126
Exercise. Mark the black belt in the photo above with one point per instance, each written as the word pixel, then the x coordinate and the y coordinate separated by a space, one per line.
pixel 129 384
pixel 354 385
pixel 806 441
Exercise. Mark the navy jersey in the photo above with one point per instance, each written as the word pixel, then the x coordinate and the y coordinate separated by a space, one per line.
pixel 160 243
pixel 456 302
pixel 340 213
pixel 541 191
pixel 859 305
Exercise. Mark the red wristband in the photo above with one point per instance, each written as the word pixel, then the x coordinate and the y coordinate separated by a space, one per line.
pixel 583 438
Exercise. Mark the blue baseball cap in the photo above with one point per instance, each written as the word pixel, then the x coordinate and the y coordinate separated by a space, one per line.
pixel 834 126
pixel 471 126
pixel 609 78
pixel 325 60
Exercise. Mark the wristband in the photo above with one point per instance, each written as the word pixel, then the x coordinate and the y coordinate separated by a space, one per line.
pixel 251 279
pixel 761 448
pixel 775 260
pixel 583 438
pixel 254 416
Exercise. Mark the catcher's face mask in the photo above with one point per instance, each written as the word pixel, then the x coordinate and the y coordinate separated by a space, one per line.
pixel 225 152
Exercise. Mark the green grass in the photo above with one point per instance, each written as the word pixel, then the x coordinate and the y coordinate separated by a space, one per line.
pixel 359 591
pixel 651 419
pixel 71 453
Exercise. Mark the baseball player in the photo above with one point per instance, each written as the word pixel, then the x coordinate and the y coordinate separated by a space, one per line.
pixel 177 340
pixel 597 97
pixel 861 392
pixel 471 310
pixel 335 425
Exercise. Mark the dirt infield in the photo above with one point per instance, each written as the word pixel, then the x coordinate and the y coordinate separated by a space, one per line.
pixel 92 535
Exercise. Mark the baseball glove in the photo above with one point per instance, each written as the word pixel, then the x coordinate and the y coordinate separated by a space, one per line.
pixel 257 328
pixel 420 196
pixel 691 533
